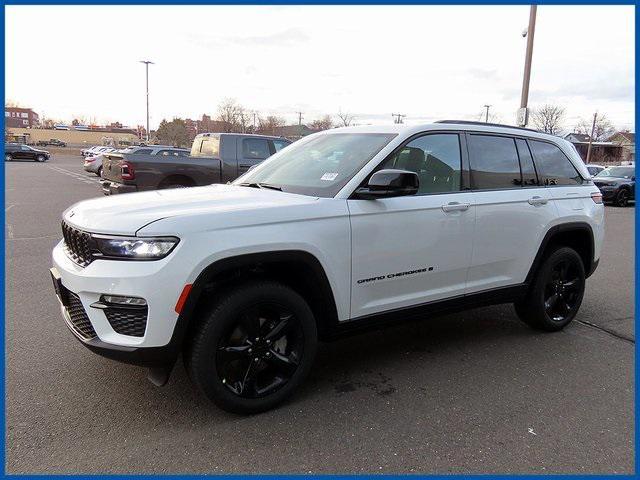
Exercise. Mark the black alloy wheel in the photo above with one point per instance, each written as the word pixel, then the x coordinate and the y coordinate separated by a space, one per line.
pixel 622 198
pixel 556 293
pixel 261 351
pixel 563 291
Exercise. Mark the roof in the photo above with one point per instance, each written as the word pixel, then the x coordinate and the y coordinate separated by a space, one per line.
pixel 630 137
pixel 580 137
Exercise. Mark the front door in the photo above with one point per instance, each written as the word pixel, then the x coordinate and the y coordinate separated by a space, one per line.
pixel 413 250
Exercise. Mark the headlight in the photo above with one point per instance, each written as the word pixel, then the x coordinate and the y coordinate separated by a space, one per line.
pixel 134 248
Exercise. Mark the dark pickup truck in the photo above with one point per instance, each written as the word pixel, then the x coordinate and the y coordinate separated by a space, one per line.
pixel 52 142
pixel 215 158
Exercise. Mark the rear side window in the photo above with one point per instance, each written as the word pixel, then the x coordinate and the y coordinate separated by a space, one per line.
pixel 142 151
pixel 279 144
pixel 494 162
pixel 210 147
pixel 255 148
pixel 554 168
pixel 529 176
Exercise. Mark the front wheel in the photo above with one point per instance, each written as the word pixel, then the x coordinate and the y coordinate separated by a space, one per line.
pixel 253 347
pixel 99 172
pixel 557 291
pixel 7 157
pixel 41 158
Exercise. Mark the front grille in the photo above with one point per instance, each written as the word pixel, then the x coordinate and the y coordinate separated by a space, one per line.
pixel 127 321
pixel 77 245
pixel 79 319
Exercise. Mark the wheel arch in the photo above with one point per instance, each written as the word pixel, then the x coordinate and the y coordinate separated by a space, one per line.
pixel 576 235
pixel 299 270
pixel 177 179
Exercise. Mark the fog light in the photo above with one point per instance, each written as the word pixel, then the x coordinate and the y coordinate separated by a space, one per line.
pixel 122 300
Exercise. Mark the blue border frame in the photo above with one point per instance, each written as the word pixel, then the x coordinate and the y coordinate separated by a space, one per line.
pixel 315 2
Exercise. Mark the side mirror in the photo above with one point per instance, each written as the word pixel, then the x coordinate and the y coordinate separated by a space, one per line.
pixel 390 183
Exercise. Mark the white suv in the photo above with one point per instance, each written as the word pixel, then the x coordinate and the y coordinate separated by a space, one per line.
pixel 341 230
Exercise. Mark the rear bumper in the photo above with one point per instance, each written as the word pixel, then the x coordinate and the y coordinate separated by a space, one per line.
pixel 112 188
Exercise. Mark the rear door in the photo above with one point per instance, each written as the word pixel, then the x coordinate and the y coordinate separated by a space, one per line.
pixel 513 211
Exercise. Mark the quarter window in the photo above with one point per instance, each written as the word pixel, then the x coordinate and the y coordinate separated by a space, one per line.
pixel 255 148
pixel 554 168
pixel 494 162
pixel 280 144
pixel 529 176
pixel 435 158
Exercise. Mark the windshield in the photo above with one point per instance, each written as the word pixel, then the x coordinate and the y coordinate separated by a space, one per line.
pixel 620 172
pixel 319 166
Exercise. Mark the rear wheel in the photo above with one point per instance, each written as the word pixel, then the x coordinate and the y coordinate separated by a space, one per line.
pixel 253 347
pixel 622 198
pixel 556 293
pixel 99 172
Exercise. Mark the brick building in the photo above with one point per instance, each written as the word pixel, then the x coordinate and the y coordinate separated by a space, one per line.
pixel 16 117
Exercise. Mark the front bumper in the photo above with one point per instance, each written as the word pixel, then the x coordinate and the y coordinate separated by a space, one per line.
pixel 159 285
pixel 112 188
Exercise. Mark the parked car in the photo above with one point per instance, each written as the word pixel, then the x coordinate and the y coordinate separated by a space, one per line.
pixel 343 230
pixel 53 142
pixel 594 169
pixel 214 158
pixel 88 152
pixel 93 163
pixel 617 184
pixel 18 151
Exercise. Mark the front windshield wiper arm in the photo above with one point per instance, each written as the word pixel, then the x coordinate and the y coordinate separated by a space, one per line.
pixel 261 185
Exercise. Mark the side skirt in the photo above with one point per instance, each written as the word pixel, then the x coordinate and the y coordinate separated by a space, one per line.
pixel 426 310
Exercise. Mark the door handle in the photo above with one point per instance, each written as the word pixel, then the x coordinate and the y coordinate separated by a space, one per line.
pixel 535 201
pixel 455 207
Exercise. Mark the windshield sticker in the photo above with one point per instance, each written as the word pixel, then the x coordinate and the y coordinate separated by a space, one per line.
pixel 329 177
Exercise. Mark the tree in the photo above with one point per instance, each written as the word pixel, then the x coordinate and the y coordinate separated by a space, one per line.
pixel 548 118
pixel 270 124
pixel 346 119
pixel 233 115
pixel 603 130
pixel 324 123
pixel 173 133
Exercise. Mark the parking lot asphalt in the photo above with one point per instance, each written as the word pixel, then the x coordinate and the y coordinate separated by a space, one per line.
pixel 471 392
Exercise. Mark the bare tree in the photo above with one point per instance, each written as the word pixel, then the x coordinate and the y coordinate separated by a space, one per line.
pixel 603 130
pixel 548 118
pixel 228 112
pixel 346 119
pixel 270 124
pixel 324 123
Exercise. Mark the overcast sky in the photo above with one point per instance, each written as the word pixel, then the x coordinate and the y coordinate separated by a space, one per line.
pixel 428 62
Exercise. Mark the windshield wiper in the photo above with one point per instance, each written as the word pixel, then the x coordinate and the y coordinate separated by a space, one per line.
pixel 261 185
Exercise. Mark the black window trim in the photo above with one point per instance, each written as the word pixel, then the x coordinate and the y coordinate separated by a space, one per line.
pixel 585 181
pixel 464 163
pixel 535 168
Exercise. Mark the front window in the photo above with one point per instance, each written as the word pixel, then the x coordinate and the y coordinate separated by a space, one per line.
pixel 318 166
pixel 618 172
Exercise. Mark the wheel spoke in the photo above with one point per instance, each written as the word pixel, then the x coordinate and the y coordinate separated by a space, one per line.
pixel 564 306
pixel 234 352
pixel 281 362
pixel 249 382
pixel 551 301
pixel 279 329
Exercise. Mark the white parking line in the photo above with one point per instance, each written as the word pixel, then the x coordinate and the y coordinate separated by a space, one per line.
pixel 74 175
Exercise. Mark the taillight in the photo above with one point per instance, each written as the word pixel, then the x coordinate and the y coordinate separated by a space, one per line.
pixel 127 171
pixel 596 197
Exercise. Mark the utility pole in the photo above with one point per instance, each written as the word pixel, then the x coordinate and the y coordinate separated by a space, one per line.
pixel 398 117
pixel 523 114
pixel 254 122
pixel 593 131
pixel 486 116
pixel 299 123
pixel 146 64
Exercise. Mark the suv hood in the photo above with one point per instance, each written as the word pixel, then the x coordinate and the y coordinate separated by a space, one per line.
pixel 127 213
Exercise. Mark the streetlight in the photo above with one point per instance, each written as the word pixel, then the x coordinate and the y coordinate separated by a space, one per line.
pixel 523 113
pixel 486 117
pixel 146 63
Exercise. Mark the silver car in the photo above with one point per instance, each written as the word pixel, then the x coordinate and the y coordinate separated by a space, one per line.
pixel 93 163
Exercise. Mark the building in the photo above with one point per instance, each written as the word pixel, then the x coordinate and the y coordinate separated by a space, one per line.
pixel 205 125
pixel 627 141
pixel 293 132
pixel 16 117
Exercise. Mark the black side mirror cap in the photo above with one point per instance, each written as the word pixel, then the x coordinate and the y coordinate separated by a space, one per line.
pixel 389 183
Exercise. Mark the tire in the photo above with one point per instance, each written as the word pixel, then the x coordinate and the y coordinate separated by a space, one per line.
pixel 175 185
pixel 556 293
pixel 99 172
pixel 622 198
pixel 7 157
pixel 253 347
pixel 41 158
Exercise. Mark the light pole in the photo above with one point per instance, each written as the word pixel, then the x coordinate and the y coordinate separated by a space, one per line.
pixel 523 116
pixel 146 64
pixel 486 116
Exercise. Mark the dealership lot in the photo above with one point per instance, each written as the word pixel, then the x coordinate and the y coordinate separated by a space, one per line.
pixel 471 392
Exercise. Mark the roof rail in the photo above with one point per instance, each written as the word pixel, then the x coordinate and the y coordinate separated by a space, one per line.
pixel 471 122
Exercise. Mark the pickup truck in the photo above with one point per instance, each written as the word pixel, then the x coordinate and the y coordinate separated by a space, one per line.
pixel 53 142
pixel 214 158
